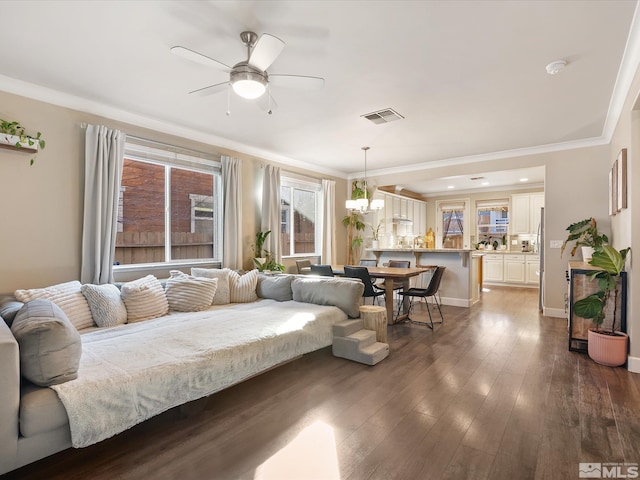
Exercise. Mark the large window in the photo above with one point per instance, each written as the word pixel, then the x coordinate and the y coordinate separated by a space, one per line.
pixel 492 220
pixel 170 206
pixel 299 218
pixel 452 227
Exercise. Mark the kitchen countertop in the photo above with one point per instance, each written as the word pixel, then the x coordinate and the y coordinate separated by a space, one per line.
pixel 510 252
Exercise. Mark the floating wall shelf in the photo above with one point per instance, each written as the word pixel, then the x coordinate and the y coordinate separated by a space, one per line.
pixel 9 142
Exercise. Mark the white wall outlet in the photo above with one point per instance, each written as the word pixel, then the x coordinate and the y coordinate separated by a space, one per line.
pixel 514 242
pixel 555 243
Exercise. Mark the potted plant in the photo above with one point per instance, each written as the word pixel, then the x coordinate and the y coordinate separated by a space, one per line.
pixel 585 234
pixel 375 235
pixel 258 248
pixel 605 346
pixel 268 264
pixel 355 220
pixel 12 135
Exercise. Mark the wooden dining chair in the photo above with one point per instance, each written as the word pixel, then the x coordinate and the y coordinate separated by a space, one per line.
pixel 303 266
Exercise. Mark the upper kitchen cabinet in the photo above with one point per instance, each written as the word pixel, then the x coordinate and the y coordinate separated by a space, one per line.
pixel 412 213
pixel 525 212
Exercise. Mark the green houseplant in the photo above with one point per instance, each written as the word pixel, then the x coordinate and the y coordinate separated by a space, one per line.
pixel 355 221
pixel 585 233
pixel 13 135
pixel 608 347
pixel 263 260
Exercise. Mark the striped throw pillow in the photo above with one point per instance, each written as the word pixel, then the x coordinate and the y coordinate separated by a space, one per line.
pixel 223 295
pixel 68 296
pixel 189 294
pixel 243 287
pixel 144 299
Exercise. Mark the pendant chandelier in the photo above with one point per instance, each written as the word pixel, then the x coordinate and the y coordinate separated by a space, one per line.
pixel 364 205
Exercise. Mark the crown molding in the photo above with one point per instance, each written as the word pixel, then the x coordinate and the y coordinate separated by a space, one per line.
pixel 73 102
pixel 486 157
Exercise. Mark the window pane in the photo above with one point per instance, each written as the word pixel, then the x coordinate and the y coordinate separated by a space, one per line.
pixel 304 220
pixel 192 218
pixel 453 229
pixel 285 219
pixel 140 238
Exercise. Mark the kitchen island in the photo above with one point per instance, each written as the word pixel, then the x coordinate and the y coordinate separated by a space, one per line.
pixel 460 285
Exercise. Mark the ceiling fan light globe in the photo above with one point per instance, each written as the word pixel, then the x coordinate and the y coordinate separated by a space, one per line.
pixel 249 89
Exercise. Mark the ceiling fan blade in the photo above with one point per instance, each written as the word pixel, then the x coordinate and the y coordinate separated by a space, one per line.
pixel 265 51
pixel 267 103
pixel 301 82
pixel 210 90
pixel 199 58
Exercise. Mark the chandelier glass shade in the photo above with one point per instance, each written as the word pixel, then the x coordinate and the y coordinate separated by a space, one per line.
pixel 364 205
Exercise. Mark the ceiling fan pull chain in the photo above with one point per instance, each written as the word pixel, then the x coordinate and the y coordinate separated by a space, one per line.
pixel 269 93
pixel 228 101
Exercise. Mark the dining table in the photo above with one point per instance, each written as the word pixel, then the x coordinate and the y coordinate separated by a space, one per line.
pixel 391 275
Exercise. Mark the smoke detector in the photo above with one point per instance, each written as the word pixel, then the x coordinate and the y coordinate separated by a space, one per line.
pixel 556 67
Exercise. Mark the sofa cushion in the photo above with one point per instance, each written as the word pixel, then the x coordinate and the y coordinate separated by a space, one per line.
pixel 275 287
pixel 9 307
pixel 223 293
pixel 243 287
pixel 68 296
pixel 50 347
pixel 186 293
pixel 344 294
pixel 144 299
pixel 40 410
pixel 105 302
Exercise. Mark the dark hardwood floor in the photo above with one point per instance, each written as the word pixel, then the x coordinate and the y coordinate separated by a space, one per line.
pixel 493 393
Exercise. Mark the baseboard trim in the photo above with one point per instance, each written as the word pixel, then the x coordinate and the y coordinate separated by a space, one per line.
pixel 633 364
pixel 455 302
pixel 554 312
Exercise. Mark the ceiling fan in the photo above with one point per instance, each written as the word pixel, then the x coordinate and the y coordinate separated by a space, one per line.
pixel 249 78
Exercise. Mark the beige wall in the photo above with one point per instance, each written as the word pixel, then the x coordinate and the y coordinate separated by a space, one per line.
pixel 41 206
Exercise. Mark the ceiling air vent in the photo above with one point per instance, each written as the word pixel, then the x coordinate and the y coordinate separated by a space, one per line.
pixel 383 116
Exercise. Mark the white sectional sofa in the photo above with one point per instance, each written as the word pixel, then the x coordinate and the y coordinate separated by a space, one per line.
pixel 132 371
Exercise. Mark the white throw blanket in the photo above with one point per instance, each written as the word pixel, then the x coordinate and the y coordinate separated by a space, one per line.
pixel 132 372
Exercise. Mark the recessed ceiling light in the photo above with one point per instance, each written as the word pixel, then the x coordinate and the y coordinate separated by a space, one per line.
pixel 484 184
pixel 451 186
pixel 524 179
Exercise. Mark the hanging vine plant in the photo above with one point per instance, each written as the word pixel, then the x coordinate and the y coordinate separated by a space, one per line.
pixel 13 135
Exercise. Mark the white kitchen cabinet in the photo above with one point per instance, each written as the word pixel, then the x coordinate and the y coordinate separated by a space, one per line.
pixel 525 212
pixel 514 268
pixel 532 268
pixel 493 267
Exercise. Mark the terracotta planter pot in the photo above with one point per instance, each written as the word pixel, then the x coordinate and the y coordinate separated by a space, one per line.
pixel 609 350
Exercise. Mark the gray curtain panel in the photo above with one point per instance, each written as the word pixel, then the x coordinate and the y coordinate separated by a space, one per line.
pixel 328 221
pixel 232 213
pixel 271 210
pixel 104 156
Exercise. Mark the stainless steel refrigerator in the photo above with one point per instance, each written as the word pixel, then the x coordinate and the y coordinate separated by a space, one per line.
pixel 540 245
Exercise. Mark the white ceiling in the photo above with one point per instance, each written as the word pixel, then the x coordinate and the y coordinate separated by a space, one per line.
pixel 468 76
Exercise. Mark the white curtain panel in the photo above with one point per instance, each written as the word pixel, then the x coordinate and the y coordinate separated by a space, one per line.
pixel 271 210
pixel 104 157
pixel 328 221
pixel 232 213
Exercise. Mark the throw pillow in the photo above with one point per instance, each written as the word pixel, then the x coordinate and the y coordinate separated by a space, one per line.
pixel 186 293
pixel 275 287
pixel 243 287
pixel 9 307
pixel 223 294
pixel 344 294
pixel 106 304
pixel 68 296
pixel 50 346
pixel 144 299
